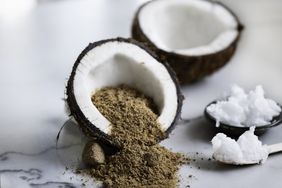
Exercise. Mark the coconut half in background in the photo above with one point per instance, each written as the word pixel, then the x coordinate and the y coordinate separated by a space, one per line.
pixel 114 62
pixel 196 37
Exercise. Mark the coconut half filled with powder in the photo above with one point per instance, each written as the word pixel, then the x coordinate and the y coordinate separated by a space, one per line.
pixel 196 37
pixel 115 62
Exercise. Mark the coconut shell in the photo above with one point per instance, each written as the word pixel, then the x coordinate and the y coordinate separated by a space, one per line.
pixel 87 127
pixel 189 68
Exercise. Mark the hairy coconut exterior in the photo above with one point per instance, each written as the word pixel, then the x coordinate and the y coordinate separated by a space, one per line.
pixel 189 68
pixel 87 127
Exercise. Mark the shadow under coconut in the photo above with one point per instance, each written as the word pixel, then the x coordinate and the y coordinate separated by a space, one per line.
pixel 199 129
pixel 70 135
pixel 54 121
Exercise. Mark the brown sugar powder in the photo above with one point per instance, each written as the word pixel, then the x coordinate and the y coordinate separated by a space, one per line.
pixel 141 162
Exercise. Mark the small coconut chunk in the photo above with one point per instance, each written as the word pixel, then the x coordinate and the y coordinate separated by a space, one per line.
pixel 93 154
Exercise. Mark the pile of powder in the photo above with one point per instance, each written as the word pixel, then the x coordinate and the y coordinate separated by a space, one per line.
pixel 141 162
pixel 244 110
pixel 248 148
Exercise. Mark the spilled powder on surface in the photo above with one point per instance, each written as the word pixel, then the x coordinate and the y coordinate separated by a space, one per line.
pixel 141 162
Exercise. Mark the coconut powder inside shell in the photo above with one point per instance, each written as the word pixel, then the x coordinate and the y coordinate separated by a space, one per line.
pixel 132 114
pixel 141 162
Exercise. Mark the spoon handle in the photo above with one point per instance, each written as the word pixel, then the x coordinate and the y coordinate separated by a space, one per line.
pixel 274 148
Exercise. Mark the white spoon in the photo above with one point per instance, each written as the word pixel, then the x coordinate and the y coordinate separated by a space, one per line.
pixel 274 148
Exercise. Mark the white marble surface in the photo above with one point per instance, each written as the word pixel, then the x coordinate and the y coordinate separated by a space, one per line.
pixel 37 51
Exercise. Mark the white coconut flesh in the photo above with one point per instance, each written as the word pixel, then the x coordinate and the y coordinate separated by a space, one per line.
pixel 188 27
pixel 114 63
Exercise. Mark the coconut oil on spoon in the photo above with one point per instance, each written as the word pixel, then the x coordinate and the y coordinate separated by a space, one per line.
pixel 274 148
pixel 247 150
